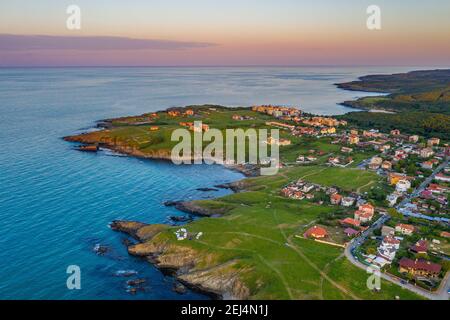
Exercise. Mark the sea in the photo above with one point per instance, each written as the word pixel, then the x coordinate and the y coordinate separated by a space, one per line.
pixel 56 203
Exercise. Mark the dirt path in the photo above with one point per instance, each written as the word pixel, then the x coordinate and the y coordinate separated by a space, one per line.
pixel 366 185
pixel 310 263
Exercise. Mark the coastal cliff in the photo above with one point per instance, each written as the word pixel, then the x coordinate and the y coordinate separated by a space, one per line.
pixel 194 268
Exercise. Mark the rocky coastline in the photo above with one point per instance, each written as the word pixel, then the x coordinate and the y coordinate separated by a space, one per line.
pixel 217 280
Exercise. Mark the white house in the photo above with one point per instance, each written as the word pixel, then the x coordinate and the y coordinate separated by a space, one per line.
pixel 402 186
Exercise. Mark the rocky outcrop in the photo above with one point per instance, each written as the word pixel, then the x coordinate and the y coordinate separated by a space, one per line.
pixel 220 280
pixel 192 208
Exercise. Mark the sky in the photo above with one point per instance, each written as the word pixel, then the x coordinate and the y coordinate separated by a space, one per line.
pixel 232 32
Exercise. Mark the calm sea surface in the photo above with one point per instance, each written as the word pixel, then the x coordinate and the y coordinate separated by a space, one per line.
pixel 56 203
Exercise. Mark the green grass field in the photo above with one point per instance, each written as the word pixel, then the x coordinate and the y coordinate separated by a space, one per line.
pixel 259 232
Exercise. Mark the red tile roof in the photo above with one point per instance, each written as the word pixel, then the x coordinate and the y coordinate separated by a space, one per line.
pixel 316 232
pixel 420 265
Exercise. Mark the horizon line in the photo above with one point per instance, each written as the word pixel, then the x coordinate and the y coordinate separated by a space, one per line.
pixel 226 66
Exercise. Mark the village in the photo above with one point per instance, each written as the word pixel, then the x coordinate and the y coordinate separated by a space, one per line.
pixel 412 242
pixel 400 225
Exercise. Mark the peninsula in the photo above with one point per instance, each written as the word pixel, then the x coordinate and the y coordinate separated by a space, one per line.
pixel 345 198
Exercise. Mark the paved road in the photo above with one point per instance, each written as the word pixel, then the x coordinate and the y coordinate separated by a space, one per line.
pixel 423 185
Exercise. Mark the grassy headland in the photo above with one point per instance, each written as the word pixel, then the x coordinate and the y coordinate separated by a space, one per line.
pixel 420 101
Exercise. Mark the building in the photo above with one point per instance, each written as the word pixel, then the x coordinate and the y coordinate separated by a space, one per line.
pixel 386 165
pixel 367 208
pixel 387 231
pixel 353 139
pixel 335 198
pixel 388 248
pixel 395 132
pixel 316 233
pixel 420 246
pixel 402 186
pixel 350 222
pixel 392 199
pixel 427 165
pixel 346 150
pixel 405 229
pixel 351 232
pixel 445 234
pixel 375 163
pixel 394 177
pixel 442 177
pixel 413 138
pixel 154 128
pixel 347 201
pixel 189 112
pixel 433 142
pixel 426 152
pixel 362 216
pixel 419 267
pixel 280 142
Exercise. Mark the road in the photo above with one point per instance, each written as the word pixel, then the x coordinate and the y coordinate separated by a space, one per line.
pixel 423 185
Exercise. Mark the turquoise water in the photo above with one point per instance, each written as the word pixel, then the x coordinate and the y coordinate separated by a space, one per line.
pixel 56 203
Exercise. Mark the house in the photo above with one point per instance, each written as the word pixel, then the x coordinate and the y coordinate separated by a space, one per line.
pixel 362 216
pixel 375 163
pixel 419 267
pixel 394 177
pixel 442 177
pixel 335 198
pixel 420 246
pixel 413 138
pixel 154 128
pixel 347 201
pixel 445 234
pixel 351 232
pixel 385 148
pixel 350 222
pixel 189 112
pixel 402 186
pixel 433 142
pixel 386 165
pixel 367 207
pixel 353 139
pixel 354 131
pixel 280 142
pixel 387 231
pixel 426 152
pixel 395 132
pixel 346 150
pixel 388 248
pixel 316 233
pixel 392 199
pixel 427 165
pixel 173 113
pixel 405 229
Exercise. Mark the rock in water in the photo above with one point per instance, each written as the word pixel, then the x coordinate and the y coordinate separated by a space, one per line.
pixel 100 250
pixel 136 282
pixel 179 288
pixel 125 273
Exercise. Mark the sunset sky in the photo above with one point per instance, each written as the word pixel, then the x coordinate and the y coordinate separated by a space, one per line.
pixel 208 32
